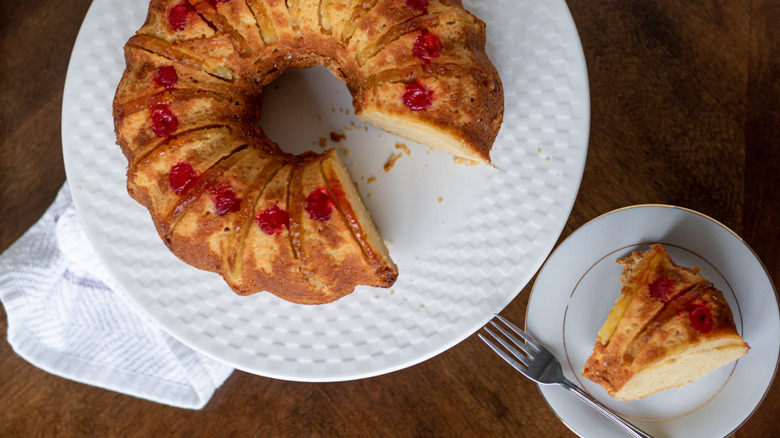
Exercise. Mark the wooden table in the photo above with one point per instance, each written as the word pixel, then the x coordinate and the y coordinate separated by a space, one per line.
pixel 685 111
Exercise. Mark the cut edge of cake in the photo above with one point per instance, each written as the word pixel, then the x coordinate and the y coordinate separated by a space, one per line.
pixel 651 342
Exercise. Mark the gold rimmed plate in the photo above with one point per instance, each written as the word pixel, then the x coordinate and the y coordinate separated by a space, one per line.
pixel 580 282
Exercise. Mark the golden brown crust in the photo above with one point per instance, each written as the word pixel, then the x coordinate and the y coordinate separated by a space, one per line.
pixel 190 97
pixel 668 310
pixel 356 219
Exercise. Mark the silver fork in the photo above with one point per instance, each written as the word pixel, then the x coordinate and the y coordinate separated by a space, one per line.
pixel 536 362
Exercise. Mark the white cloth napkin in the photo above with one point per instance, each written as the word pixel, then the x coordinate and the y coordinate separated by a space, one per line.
pixel 67 317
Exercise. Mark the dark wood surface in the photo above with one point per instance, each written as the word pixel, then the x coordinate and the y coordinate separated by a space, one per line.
pixel 685 111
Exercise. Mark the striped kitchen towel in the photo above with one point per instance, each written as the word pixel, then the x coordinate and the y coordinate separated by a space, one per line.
pixel 68 317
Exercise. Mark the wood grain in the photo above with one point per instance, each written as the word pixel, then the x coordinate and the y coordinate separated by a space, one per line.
pixel 685 110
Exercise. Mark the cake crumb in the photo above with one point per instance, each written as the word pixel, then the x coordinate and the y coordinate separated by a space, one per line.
pixel 323 142
pixel 464 161
pixel 392 292
pixel 391 161
pixel 403 147
pixel 422 307
pixel 371 179
pixel 441 200
pixel 344 151
pixel 335 136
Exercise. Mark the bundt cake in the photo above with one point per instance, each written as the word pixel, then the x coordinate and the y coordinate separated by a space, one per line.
pixel 224 197
pixel 669 327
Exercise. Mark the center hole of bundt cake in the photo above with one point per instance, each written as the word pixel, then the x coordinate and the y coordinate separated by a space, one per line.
pixel 302 108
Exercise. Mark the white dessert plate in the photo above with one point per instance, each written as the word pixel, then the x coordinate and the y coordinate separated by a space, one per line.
pixel 580 282
pixel 466 238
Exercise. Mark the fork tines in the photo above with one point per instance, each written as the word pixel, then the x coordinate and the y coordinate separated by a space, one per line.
pixel 537 363
pixel 528 346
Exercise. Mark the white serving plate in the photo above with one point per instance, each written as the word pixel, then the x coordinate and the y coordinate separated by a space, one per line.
pixel 466 239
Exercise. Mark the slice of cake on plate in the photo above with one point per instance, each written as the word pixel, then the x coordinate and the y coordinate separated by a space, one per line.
pixel 669 327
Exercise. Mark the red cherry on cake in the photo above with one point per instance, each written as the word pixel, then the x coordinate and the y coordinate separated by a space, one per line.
pixel 701 318
pixel 426 47
pixel 166 76
pixel 181 177
pixel 662 289
pixel 417 97
pixel 164 122
pixel 178 15
pixel 318 204
pixel 225 199
pixel 272 220
pixel 419 5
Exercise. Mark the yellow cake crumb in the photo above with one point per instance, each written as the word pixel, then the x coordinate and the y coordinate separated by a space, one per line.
pixel 403 147
pixel 391 161
pixel 464 161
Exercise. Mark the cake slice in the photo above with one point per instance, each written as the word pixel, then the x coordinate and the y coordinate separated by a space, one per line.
pixel 208 235
pixel 354 213
pixel 452 37
pixel 176 30
pixel 669 327
pixel 169 173
pixel 437 107
pixel 149 122
pixel 326 239
pixel 427 79
pixel 148 73
pixel 207 55
pixel 270 262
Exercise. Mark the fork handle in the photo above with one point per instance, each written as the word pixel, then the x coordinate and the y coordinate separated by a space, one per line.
pixel 625 425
